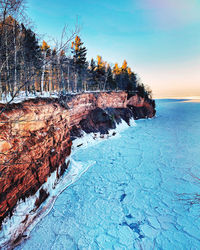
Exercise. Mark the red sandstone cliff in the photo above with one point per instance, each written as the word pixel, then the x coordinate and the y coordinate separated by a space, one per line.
pixel 34 141
pixel 35 138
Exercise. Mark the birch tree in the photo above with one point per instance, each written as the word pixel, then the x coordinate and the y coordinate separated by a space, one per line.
pixel 44 48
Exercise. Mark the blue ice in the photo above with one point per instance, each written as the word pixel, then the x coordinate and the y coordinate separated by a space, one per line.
pixel 142 192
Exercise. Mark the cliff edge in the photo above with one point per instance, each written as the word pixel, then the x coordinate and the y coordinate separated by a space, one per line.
pixel 36 137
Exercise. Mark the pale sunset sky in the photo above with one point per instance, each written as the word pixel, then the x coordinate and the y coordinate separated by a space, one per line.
pixel 160 39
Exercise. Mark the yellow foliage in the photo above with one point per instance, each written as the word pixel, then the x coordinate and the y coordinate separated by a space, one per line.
pixel 124 65
pixel 9 21
pixel 129 71
pixel 116 69
pixel 44 46
pixel 76 44
pixel 100 62
pixel 77 39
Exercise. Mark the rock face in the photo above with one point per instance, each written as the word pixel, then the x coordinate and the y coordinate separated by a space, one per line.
pixel 35 137
pixel 81 105
pixel 141 108
pixel 34 142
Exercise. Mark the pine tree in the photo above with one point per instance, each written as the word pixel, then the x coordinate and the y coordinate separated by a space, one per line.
pixel 91 78
pixel 124 67
pixel 111 83
pixel 124 78
pixel 116 74
pixel 116 70
pixel 101 72
pixel 32 56
pixel 79 53
pixel 132 81
pixel 92 65
pixel 108 78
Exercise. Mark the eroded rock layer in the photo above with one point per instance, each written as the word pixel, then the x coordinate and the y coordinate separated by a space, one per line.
pixel 34 142
pixel 35 136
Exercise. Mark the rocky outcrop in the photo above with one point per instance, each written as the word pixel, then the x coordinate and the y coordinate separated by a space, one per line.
pixel 82 104
pixel 101 120
pixel 35 137
pixel 100 112
pixel 140 107
pixel 34 142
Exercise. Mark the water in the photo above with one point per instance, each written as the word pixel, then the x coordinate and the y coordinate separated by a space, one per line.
pixel 140 192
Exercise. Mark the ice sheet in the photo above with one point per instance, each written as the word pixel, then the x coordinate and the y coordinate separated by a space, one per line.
pixel 138 194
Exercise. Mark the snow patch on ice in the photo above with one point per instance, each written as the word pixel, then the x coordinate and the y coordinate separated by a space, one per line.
pixel 92 139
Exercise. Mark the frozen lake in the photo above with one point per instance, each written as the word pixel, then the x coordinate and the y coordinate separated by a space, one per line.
pixel 140 192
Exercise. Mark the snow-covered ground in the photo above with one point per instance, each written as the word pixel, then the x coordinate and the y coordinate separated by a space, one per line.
pixel 138 194
pixel 23 97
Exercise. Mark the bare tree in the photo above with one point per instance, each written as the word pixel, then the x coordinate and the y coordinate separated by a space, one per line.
pixel 13 8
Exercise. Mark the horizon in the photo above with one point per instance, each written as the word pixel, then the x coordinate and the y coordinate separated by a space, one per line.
pixel 159 40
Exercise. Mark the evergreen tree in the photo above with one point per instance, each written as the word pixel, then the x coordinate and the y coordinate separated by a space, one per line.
pixel 116 74
pixel 79 53
pixel 30 57
pixel 100 72
pixel 132 82
pixel 91 75
pixel 124 77
pixel 124 67
pixel 32 51
pixel 109 81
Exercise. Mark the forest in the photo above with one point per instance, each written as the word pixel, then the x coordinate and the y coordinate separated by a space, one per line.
pixel 32 67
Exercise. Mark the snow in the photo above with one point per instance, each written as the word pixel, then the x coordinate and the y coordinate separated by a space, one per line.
pixel 136 194
pixel 23 97
pixel 12 226
pixel 91 139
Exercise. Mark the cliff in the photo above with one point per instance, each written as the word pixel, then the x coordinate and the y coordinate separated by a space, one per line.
pixel 36 137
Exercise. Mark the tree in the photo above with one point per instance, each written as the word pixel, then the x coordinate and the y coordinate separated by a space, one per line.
pixel 31 59
pixel 123 76
pixel 91 81
pixel 116 74
pixel 9 47
pixel 92 65
pixel 101 72
pixel 13 8
pixel 124 67
pixel 79 53
pixel 108 82
pixel 116 69
pixel 45 49
pixel 132 82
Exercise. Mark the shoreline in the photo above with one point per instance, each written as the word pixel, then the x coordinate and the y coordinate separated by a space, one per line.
pixel 43 139
pixel 55 187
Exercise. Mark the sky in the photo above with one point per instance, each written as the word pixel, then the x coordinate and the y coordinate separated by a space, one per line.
pixel 160 39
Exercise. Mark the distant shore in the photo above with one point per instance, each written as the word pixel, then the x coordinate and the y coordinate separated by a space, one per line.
pixel 183 99
pixel 192 100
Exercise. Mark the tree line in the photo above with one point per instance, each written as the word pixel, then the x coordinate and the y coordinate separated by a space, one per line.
pixel 28 67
